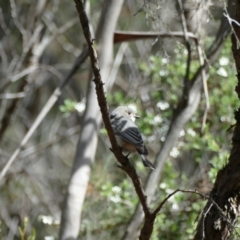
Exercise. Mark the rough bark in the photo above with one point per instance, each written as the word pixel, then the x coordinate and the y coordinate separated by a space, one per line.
pixel 215 223
pixel 86 148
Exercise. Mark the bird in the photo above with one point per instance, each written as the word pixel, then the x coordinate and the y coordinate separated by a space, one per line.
pixel 127 133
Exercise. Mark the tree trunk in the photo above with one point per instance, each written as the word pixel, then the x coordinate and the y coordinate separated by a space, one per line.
pixel 86 148
pixel 223 209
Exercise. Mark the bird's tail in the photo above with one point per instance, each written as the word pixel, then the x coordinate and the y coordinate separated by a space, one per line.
pixel 146 162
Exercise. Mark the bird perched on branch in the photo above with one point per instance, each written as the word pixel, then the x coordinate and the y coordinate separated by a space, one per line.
pixel 127 133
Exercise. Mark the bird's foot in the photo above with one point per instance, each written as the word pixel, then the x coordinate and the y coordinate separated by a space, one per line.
pixel 127 155
pixel 120 166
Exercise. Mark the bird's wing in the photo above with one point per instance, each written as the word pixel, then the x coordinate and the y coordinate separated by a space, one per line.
pixel 129 132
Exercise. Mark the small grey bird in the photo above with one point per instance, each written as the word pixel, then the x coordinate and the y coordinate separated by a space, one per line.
pixel 127 133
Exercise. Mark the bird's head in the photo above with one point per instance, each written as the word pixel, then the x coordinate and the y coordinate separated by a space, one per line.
pixel 124 111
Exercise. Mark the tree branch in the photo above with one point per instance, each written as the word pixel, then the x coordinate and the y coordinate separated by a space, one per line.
pixel 181 115
pixel 125 164
pixel 49 104
pixel 125 36
pixel 188 46
pixel 225 193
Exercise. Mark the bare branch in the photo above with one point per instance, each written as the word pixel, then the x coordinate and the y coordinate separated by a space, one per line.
pixel 123 36
pixel 181 115
pixel 116 64
pixel 12 95
pixel 157 210
pixel 225 192
pixel 15 19
pixel 125 164
pixel 3 23
pixel 205 213
pixel 205 88
pixel 188 46
pixel 58 34
pixel 51 101
pixel 9 111
pixel 35 149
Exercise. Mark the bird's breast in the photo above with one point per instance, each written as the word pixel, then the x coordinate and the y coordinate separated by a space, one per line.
pixel 125 145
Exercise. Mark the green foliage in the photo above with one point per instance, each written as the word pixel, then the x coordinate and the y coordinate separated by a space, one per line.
pixel 166 75
pixel 178 215
pixel 118 98
pixel 23 231
pixel 68 107
pixel 111 205
pixel 208 151
pixel 121 196
pixel 147 123
pixel 40 179
pixel 217 162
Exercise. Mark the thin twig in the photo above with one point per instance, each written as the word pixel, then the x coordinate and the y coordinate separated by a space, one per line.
pixel 61 39
pixel 12 95
pixel 157 210
pixel 32 68
pixel 5 121
pixel 3 56
pixel 57 138
pixel 231 21
pixel 51 101
pixel 43 145
pixel 125 164
pixel 211 200
pixel 3 23
pixel 188 46
pixel 15 19
pixel 205 87
pixel 201 195
pixel 182 114
pixel 116 65
pixel 204 216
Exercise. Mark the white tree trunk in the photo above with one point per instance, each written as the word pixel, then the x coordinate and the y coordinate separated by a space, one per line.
pixel 86 148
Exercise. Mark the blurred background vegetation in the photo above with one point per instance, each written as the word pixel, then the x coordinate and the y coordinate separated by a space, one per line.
pixel 150 78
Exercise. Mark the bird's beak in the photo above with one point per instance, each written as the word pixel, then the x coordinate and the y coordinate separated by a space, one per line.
pixel 136 116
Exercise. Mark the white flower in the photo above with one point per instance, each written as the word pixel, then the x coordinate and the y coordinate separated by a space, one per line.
pixel 223 61
pixel 222 72
pixel 174 153
pixel 116 189
pixel 115 199
pixel 47 219
pixel 164 60
pixel 157 119
pixel 175 207
pixel 80 106
pixel 191 132
pixel 162 73
pixel 49 238
pixel 182 133
pixel 163 105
